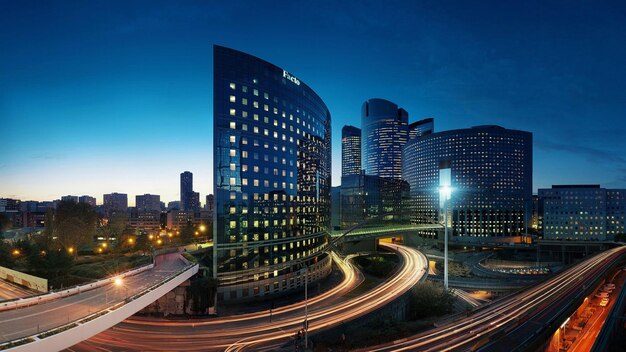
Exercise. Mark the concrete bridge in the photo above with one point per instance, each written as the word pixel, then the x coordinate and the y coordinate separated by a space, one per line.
pixel 60 319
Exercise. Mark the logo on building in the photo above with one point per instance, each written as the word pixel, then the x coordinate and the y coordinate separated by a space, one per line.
pixel 291 78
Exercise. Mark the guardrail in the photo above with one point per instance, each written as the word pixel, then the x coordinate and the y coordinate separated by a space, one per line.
pixel 62 293
pixel 63 336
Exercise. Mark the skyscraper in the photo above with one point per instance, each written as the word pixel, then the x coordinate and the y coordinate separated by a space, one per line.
pixel 272 150
pixel 350 151
pixel 189 200
pixel 491 179
pixel 385 131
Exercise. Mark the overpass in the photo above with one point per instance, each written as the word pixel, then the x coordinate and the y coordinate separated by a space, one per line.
pixel 58 320
pixel 380 231
pixel 519 322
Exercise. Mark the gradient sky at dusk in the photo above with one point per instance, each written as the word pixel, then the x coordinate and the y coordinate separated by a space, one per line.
pixel 107 96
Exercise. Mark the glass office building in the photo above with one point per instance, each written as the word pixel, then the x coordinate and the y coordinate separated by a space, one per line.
pixel 491 179
pixel 350 151
pixel 272 178
pixel 385 131
pixel 582 212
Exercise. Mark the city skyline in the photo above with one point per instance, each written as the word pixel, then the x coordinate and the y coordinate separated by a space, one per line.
pixel 123 104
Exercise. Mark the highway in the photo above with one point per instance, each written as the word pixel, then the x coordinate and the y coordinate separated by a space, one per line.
pixel 9 290
pixel 513 321
pixel 254 331
pixel 37 318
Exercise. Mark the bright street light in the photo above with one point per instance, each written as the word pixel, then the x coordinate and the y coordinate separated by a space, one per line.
pixel 118 281
pixel 445 192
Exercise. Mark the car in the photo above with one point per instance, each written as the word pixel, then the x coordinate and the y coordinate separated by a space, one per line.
pixel 611 286
pixel 607 290
pixel 602 295
pixel 604 302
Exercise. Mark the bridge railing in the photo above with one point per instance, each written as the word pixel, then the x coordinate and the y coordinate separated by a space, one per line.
pixel 70 291
pixel 22 344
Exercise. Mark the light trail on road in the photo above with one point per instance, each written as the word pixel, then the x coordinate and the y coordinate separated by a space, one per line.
pixel 470 332
pixel 253 330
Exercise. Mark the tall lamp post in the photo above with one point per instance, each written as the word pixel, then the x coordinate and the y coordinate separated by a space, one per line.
pixel 445 191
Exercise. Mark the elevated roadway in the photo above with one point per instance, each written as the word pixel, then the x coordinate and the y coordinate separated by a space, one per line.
pixel 57 324
pixel 256 331
pixel 518 322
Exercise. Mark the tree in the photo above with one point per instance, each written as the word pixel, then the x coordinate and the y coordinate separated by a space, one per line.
pixel 186 234
pixel 49 264
pixel 430 299
pixel 5 222
pixel 6 259
pixel 74 224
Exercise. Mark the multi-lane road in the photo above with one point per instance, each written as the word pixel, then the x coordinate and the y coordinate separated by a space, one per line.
pixel 18 323
pixel 514 321
pixel 255 331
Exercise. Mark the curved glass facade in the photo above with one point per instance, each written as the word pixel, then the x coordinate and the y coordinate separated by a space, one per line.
pixel 384 132
pixel 272 156
pixel 491 179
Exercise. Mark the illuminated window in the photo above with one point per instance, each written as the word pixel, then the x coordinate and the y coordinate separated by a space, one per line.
pixel 232 112
pixel 232 99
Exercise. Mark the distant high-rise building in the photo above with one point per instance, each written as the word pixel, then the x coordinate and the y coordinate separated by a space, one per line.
pixel 350 151
pixel 491 179
pixel 115 202
pixel 384 132
pixel 335 207
pixel 365 197
pixel 87 200
pixel 173 205
pixel 210 202
pixel 189 200
pixel 69 199
pixel 272 150
pixel 582 212
pixel 148 202
pixel 421 128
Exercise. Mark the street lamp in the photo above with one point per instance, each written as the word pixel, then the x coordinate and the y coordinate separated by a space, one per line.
pixel 445 192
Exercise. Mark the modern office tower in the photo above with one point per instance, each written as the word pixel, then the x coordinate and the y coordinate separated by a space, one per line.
pixel 148 202
pixel 582 212
pixel 384 132
pixel 173 205
pixel 491 179
pixel 193 202
pixel 186 191
pixel 365 197
pixel 350 151
pixel 272 150
pixel 87 200
pixel 421 128
pixel 69 199
pixel 210 202
pixel 115 202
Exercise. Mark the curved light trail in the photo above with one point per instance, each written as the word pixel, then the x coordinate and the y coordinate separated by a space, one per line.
pixel 472 332
pixel 254 331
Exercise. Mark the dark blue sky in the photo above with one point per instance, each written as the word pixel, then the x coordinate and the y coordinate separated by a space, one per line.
pixel 104 96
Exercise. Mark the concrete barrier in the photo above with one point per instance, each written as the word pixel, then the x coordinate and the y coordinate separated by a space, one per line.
pixel 29 301
pixel 33 282
pixel 89 326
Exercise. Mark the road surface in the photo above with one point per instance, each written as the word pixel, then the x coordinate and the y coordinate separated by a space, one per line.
pixel 512 321
pixel 31 320
pixel 254 331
